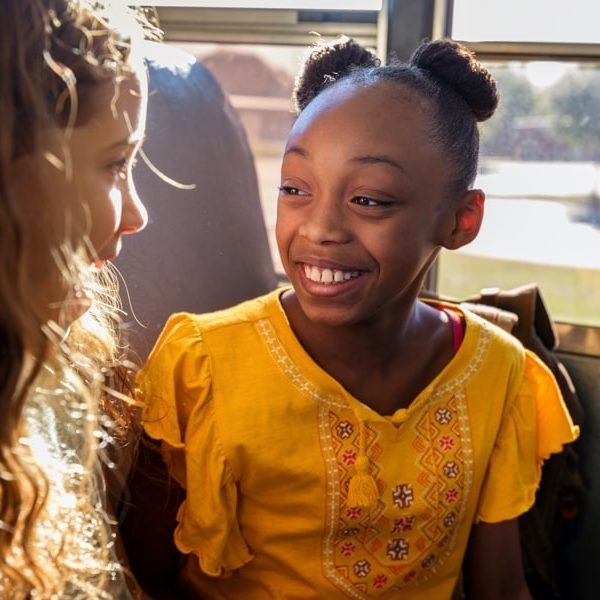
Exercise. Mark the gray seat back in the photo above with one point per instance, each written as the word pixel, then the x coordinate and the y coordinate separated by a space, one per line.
pixel 204 248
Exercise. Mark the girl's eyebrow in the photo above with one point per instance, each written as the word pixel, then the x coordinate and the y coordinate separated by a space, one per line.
pixel 130 142
pixel 363 159
pixel 371 159
pixel 296 150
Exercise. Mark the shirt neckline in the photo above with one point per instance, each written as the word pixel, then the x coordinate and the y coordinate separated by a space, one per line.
pixel 447 378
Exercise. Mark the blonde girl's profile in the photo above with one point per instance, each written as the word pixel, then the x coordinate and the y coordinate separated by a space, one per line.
pixel 72 118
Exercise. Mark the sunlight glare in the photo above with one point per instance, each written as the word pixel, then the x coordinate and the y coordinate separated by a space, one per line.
pixel 529 20
pixel 545 74
pixel 276 4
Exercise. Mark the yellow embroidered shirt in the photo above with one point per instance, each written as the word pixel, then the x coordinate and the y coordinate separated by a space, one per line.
pixel 265 442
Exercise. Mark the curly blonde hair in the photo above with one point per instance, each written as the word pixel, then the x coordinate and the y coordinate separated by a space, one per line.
pixel 55 536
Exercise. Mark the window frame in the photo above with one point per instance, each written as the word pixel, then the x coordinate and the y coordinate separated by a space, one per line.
pixel 265 26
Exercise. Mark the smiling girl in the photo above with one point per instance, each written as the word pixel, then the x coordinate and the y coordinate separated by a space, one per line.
pixel 341 438
pixel 72 113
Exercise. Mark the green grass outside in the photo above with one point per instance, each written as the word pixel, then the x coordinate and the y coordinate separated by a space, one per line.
pixel 571 294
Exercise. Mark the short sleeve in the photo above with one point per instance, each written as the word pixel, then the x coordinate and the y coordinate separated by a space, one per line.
pixel 537 425
pixel 176 389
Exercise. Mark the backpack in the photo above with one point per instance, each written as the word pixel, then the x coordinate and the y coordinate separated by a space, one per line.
pixel 545 527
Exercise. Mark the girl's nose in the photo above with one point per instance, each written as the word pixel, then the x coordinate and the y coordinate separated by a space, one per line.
pixel 325 223
pixel 135 215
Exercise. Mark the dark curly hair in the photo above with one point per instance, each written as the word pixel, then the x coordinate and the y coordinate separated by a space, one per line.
pixel 459 90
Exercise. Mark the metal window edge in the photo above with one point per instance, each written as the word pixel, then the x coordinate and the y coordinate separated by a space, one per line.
pixel 256 27
pixel 524 51
pixel 578 339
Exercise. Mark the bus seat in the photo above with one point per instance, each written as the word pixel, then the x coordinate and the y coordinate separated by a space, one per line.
pixel 551 526
pixel 580 573
pixel 204 248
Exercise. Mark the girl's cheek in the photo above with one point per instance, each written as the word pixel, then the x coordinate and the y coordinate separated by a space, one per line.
pixel 115 206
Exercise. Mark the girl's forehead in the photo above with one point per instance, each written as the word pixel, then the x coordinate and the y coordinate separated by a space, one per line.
pixel 108 95
pixel 380 104
pixel 381 121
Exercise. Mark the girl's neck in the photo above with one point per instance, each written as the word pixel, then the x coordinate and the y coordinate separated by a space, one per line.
pixel 372 340
pixel 384 363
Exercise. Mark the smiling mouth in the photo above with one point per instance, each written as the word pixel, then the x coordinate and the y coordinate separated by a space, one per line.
pixel 328 276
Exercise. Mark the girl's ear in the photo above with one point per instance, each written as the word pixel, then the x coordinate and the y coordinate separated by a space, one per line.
pixel 467 218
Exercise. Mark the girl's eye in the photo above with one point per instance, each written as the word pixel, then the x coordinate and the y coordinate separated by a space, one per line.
pixel 121 166
pixel 291 191
pixel 369 202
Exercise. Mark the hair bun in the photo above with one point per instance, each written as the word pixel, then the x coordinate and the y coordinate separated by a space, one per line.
pixel 457 67
pixel 327 62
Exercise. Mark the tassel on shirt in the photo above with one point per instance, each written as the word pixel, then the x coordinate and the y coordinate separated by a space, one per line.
pixel 362 490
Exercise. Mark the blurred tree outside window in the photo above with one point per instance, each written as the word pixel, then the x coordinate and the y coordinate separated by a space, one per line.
pixel 540 169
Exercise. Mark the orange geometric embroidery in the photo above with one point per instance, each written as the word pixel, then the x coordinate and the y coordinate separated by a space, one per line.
pixel 389 547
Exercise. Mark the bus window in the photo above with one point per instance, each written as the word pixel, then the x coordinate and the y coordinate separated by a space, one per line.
pixel 540 169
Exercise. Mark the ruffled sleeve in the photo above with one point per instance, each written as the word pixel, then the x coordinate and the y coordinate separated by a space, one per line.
pixel 176 387
pixel 534 427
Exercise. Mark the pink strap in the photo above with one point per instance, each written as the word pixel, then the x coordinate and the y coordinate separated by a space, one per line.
pixel 458 331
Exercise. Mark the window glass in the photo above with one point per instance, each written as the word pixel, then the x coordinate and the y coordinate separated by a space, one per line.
pixel 540 169
pixel 575 21
pixel 279 4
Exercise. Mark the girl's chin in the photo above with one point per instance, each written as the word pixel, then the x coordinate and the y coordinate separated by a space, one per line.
pixel 101 262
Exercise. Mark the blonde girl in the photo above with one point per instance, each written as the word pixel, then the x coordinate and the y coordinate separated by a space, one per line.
pixel 72 117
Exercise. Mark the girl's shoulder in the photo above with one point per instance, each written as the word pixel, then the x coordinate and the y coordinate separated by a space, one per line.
pixel 188 335
pixel 490 329
pixel 248 311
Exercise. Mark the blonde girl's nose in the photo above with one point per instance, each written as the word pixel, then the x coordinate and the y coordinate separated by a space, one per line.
pixel 135 215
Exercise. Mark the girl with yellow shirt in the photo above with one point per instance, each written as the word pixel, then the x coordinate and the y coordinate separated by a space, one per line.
pixel 341 438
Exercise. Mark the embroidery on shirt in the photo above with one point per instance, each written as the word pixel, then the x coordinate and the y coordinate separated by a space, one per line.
pixel 413 529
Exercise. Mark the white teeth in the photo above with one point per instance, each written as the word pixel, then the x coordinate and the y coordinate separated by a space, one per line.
pixel 328 276
pixel 315 274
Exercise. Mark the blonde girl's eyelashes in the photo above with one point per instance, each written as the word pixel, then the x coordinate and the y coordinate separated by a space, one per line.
pixel 122 165
pixel 118 165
